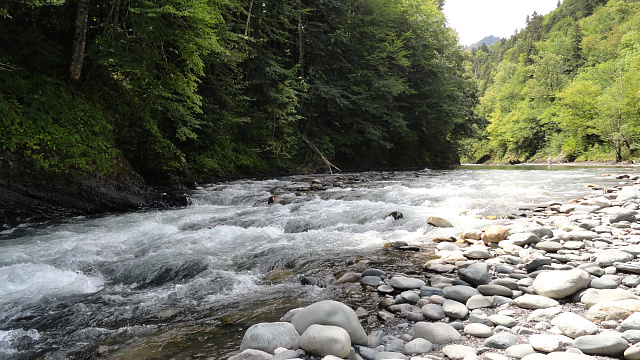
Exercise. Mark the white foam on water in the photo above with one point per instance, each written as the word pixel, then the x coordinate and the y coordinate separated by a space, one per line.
pixel 32 282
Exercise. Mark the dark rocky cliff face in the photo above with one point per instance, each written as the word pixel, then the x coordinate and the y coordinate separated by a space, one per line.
pixel 30 194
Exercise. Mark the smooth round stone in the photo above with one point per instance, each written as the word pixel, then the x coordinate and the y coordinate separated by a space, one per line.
pixel 396 345
pixel 633 268
pixel 573 245
pixel 519 351
pixel 535 263
pixel 501 340
pixel 389 355
pixel 433 312
pixel 476 274
pixel 508 283
pixel 329 312
pixel 493 289
pixel 459 293
pixel 480 319
pixel 549 343
pixel 600 283
pixel 447 246
pixel 560 284
pixel 458 352
pixel 608 258
pixel 427 291
pixel 495 234
pixel 439 222
pixel 478 330
pixel 568 356
pixel 406 283
pixel 596 296
pixel 374 272
pixel 386 289
pixel 480 301
pixel 614 310
pixel 630 323
pixel 529 301
pixel 270 336
pixel 503 320
pixel 631 280
pixel 418 346
pixel 603 344
pixel 410 296
pixel 522 239
pixel 455 309
pixel 574 325
pixel 436 333
pixel 323 340
pixel 252 354
pixel 627 215
pixel 349 277
pixel 549 246
pixel 633 352
pixel 371 280
pixel 632 336
pixel 477 252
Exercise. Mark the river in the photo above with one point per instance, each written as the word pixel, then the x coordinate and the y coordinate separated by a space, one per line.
pixel 186 283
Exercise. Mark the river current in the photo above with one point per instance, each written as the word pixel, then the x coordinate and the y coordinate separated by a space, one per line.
pixel 186 283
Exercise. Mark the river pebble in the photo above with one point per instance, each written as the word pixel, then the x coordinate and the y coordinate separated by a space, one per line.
pixel 558 285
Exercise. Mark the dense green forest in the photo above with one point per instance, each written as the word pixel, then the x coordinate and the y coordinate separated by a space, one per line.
pixel 196 89
pixel 565 87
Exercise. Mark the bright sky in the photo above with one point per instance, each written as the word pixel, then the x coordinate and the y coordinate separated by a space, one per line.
pixel 475 19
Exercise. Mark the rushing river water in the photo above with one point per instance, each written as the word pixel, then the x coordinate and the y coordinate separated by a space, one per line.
pixel 186 283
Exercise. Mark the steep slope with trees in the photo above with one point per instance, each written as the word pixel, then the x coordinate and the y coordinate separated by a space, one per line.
pixel 566 86
pixel 135 93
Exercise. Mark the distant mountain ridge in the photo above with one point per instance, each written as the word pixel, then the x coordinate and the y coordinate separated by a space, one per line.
pixel 489 40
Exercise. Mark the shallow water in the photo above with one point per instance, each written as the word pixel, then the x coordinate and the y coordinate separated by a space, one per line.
pixel 186 283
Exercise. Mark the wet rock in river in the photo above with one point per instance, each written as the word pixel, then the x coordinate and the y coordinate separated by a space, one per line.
pixel 439 222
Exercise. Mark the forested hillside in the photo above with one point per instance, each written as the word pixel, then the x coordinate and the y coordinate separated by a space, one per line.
pixel 567 86
pixel 195 89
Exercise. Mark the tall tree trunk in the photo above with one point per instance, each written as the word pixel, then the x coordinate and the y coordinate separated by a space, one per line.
pixel 300 45
pixel 79 40
pixel 246 29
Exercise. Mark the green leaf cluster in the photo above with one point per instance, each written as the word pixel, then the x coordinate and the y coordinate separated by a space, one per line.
pixel 566 86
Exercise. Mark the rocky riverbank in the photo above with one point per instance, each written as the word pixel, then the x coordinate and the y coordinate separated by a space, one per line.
pixel 554 280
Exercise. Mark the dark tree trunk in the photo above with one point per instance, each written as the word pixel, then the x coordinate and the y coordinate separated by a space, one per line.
pixel 79 41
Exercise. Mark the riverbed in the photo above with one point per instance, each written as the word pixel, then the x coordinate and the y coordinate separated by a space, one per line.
pixel 186 283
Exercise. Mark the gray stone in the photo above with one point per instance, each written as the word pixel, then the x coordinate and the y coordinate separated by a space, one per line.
pixel 606 344
pixel 386 289
pixel 370 280
pixel 522 239
pixel 600 283
pixel 626 215
pixel 406 283
pixel 477 252
pixel 546 314
pixel 608 258
pixel 480 319
pixel 631 267
pixel 455 309
pixel 389 355
pixel 519 351
pixel 439 222
pixel 410 296
pixel 251 354
pixel 596 296
pixel 427 291
pixel 574 325
pixel 503 320
pixel 494 289
pixel 459 293
pixel 375 338
pixel 508 283
pixel 349 277
pixel 549 343
pixel 329 312
pixel 480 301
pixel 632 353
pixel 270 336
pixel 458 352
pixel 560 284
pixel 396 345
pixel 632 336
pixel 418 346
pixel 535 263
pixel 529 301
pixel 374 272
pixel 501 340
pixel 436 333
pixel 581 235
pixel 368 353
pixel 433 312
pixel 478 330
pixel 630 323
pixel 549 246
pixel 323 340
pixel 476 274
